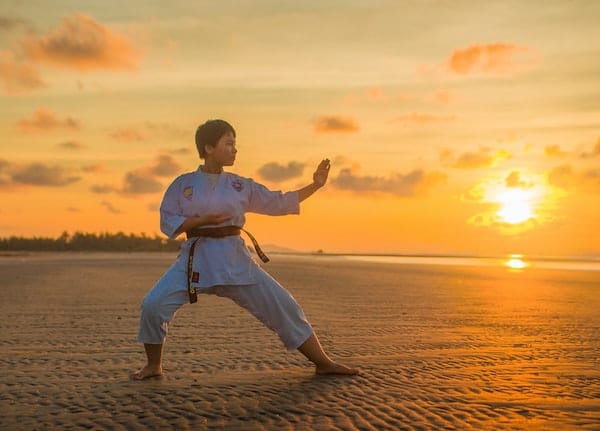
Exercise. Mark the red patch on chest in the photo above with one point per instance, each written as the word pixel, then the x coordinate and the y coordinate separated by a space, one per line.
pixel 237 185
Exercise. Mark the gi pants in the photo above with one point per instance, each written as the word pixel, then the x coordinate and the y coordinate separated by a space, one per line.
pixel 266 300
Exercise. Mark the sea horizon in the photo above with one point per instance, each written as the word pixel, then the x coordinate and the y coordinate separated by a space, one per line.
pixel 513 261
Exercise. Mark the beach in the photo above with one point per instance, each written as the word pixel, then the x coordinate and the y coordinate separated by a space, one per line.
pixel 440 348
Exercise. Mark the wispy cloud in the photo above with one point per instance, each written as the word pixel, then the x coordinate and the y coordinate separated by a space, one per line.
pixel 17 76
pixel 422 118
pixel 71 145
pixel 492 59
pixel 483 158
pixel 103 189
pixel 414 183
pixel 335 124
pixel 8 23
pixel 138 182
pixel 513 180
pixel 79 42
pixel 40 174
pixel 595 152
pixel 554 151
pixel 276 172
pixel 110 207
pixel 164 165
pixel 44 120
pixel 128 134
pixel 568 178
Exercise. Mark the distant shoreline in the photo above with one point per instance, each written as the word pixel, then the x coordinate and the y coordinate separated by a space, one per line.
pixel 511 263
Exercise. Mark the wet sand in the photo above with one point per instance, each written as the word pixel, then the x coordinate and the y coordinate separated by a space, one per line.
pixel 456 348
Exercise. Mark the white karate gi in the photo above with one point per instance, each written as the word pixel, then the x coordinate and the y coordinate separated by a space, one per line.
pixel 224 265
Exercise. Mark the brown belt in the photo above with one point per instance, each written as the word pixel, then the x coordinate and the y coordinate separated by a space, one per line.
pixel 213 232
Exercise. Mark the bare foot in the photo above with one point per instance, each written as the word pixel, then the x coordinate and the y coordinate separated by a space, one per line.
pixel 334 368
pixel 146 373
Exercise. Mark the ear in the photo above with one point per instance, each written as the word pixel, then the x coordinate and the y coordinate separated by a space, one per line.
pixel 208 149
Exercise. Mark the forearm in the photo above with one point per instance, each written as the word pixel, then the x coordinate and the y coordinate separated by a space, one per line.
pixel 307 191
pixel 191 223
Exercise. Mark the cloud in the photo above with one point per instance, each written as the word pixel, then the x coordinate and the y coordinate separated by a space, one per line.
pixel 167 129
pixel 81 43
pixel 492 59
pixel 94 168
pixel 138 182
pixel 514 180
pixel 595 151
pixel 39 174
pixel 71 145
pixel 110 207
pixel 9 23
pixel 483 158
pixel 420 118
pixel 335 124
pixel 18 77
pixel 565 177
pixel 103 189
pixel 128 134
pixel 44 120
pixel 164 166
pixel 444 97
pixel 561 176
pixel 553 151
pixel 414 183
pixel 275 172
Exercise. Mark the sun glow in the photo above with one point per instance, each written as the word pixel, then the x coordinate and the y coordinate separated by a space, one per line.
pixel 515 261
pixel 516 205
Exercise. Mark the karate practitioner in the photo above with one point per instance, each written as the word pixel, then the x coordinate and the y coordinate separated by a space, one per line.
pixel 209 205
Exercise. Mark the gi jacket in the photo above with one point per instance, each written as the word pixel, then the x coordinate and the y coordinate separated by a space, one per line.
pixel 220 261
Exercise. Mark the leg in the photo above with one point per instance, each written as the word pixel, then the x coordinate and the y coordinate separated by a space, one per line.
pixel 154 366
pixel 313 351
pixel 277 309
pixel 157 311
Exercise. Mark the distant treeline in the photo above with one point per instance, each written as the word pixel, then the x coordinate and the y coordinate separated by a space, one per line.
pixel 80 241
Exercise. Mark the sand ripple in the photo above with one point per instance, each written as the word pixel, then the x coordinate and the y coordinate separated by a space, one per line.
pixel 441 348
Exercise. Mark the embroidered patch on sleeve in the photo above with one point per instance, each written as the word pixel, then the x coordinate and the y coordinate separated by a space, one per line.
pixel 188 192
pixel 237 185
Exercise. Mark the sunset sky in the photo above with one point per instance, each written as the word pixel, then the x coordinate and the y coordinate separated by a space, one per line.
pixel 454 127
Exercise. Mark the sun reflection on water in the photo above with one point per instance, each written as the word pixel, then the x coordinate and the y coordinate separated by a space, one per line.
pixel 516 262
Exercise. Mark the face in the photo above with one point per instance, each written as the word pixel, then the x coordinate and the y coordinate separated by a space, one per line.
pixel 224 152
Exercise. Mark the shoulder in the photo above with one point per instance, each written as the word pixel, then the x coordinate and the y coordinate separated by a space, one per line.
pixel 184 178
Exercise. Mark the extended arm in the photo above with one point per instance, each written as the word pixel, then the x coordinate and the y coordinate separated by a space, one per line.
pixel 319 180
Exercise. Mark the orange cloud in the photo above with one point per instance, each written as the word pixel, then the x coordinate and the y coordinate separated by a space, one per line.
pixel 81 43
pixel 138 182
pixel 493 59
pixel 553 151
pixel 565 177
pixel 483 158
pixel 128 134
pixel 420 118
pixel 165 166
pixel 18 77
pixel 514 180
pixel 71 145
pixel 414 183
pixel 334 123
pixel 44 120
pixel 594 153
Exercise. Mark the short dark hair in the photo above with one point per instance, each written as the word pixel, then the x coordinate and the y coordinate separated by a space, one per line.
pixel 209 133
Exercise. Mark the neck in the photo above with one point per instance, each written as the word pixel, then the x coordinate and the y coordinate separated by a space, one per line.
pixel 211 167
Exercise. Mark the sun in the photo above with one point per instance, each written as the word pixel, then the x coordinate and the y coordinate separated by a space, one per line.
pixel 516 205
